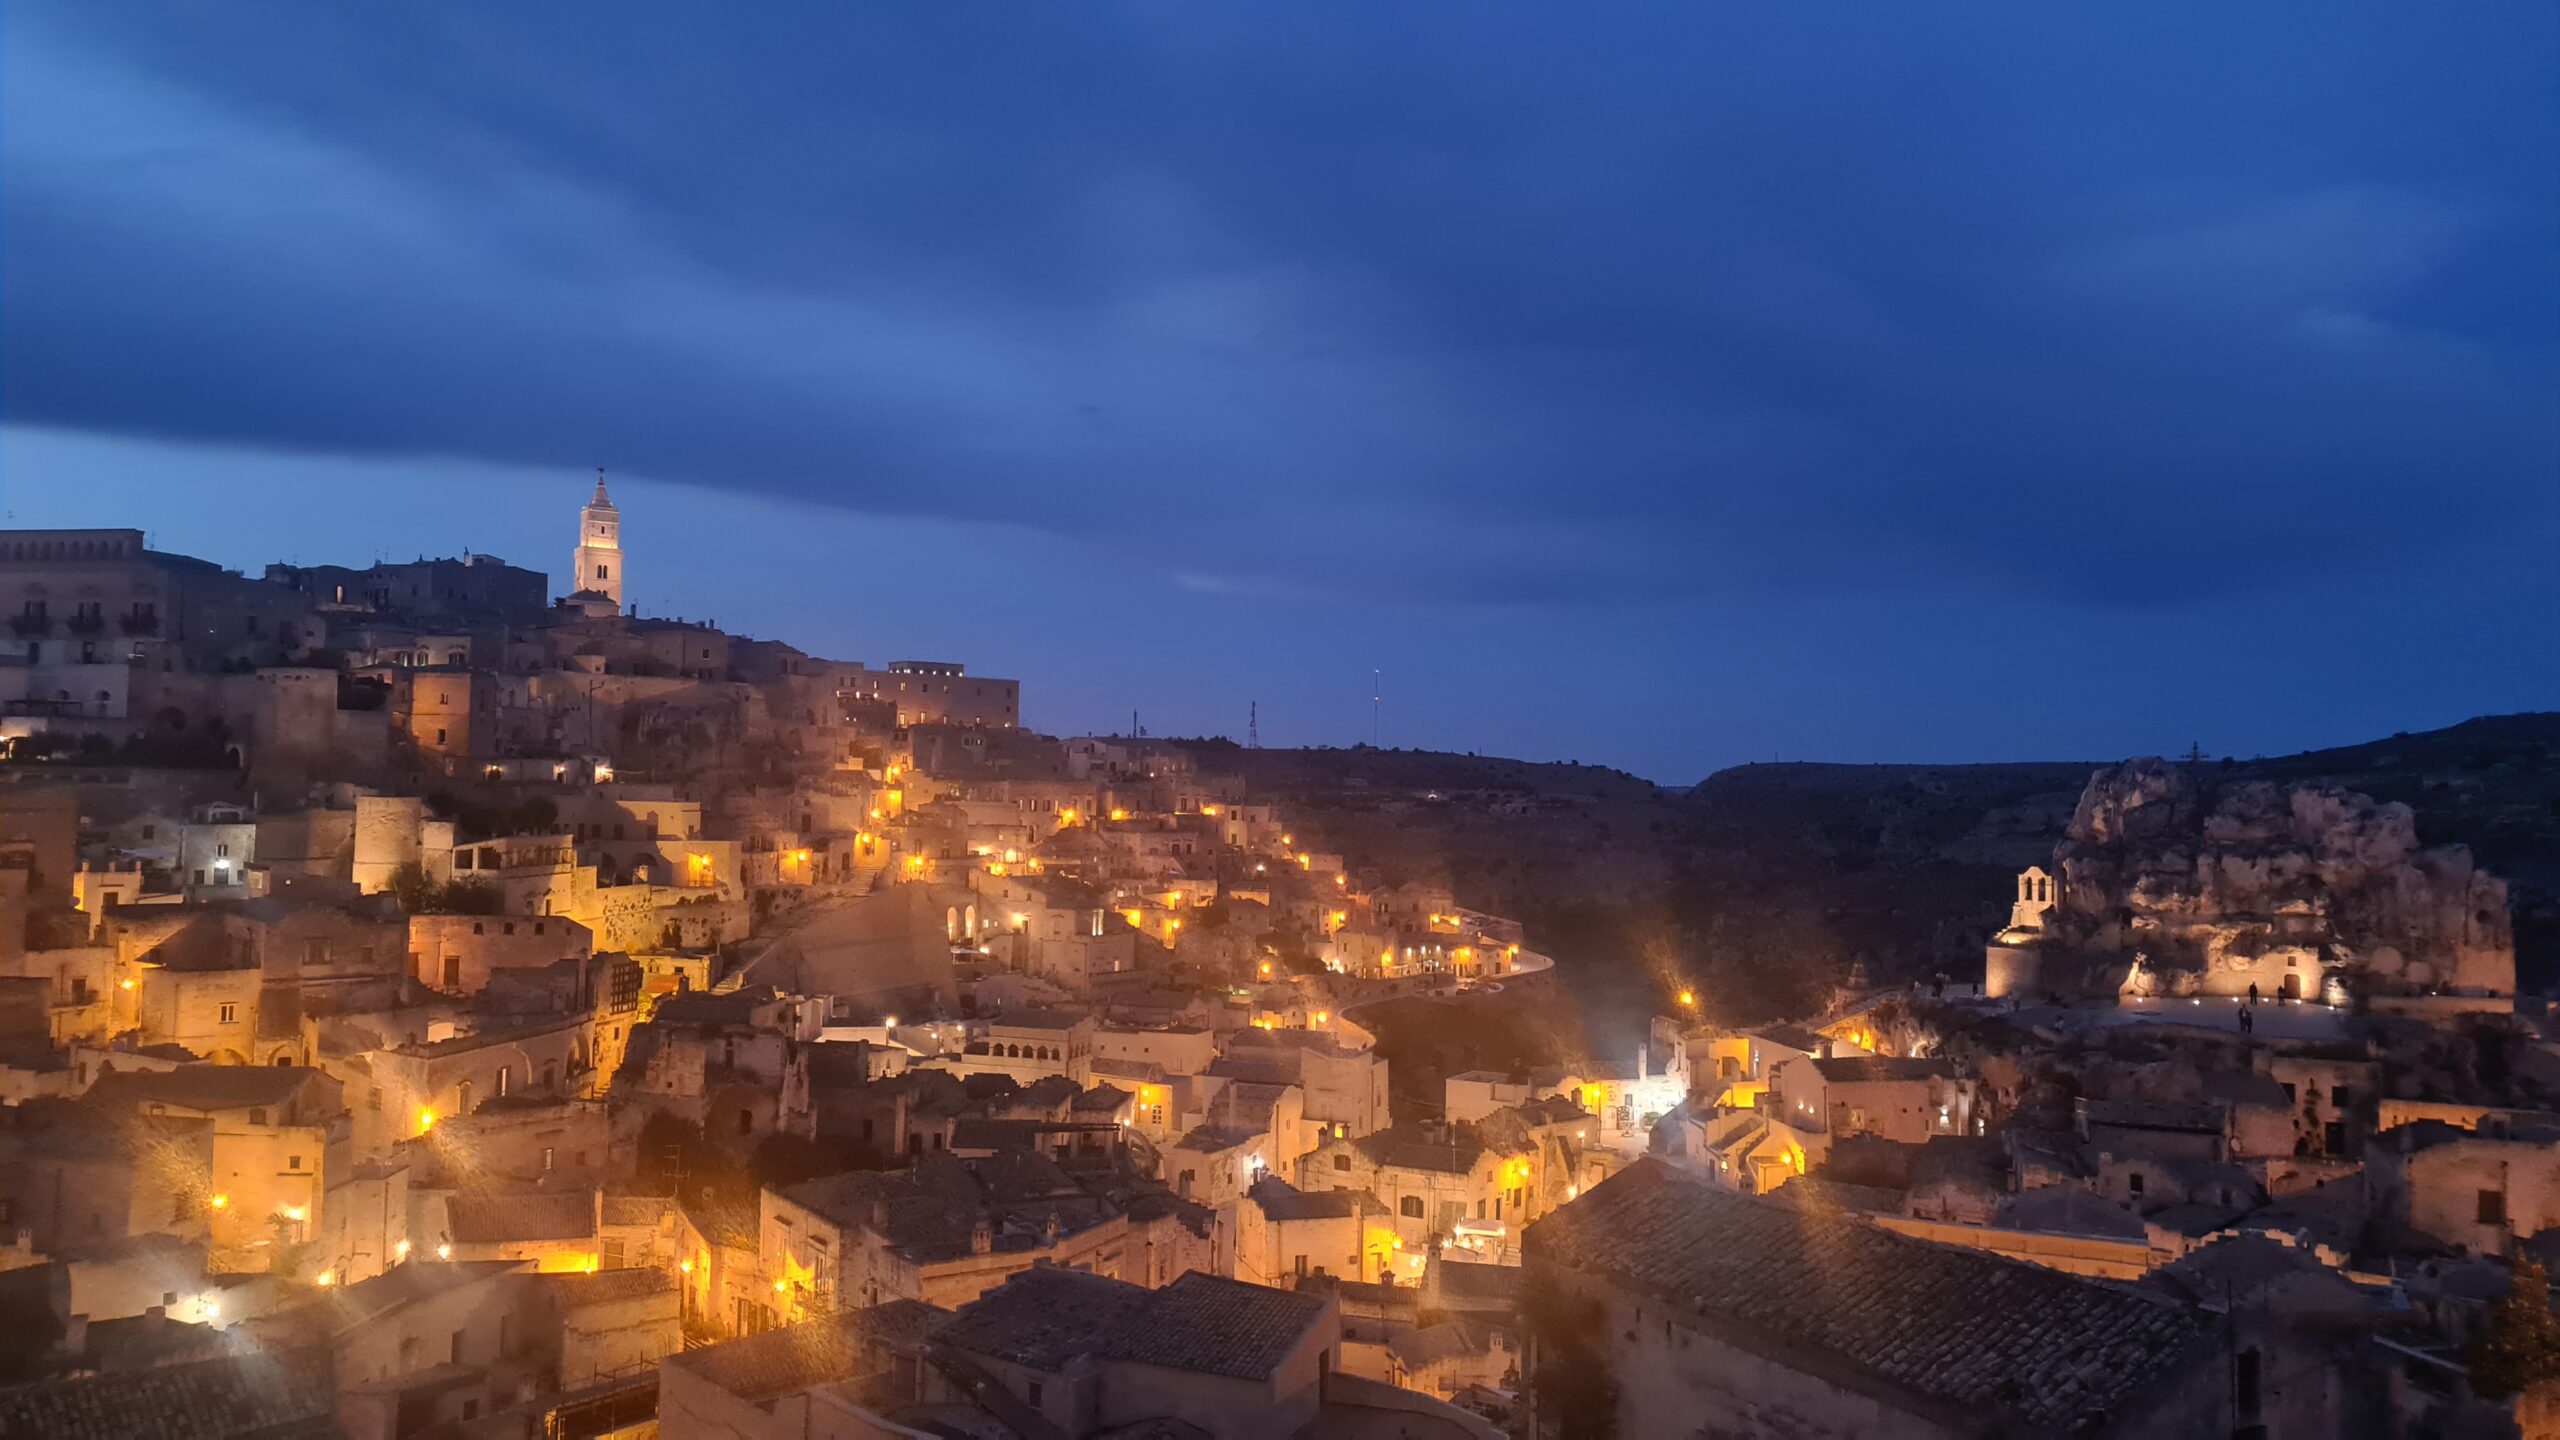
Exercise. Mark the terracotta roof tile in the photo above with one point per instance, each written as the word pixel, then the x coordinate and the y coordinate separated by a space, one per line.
pixel 1956 1328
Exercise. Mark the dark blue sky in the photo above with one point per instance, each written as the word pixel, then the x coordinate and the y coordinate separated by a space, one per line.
pixel 1687 385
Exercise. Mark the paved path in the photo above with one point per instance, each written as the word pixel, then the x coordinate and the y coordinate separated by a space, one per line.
pixel 2277 1020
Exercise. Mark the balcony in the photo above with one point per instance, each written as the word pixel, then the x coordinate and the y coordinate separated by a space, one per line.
pixel 86 622
pixel 29 624
pixel 140 622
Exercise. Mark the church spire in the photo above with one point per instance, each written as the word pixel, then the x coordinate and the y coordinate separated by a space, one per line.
pixel 597 567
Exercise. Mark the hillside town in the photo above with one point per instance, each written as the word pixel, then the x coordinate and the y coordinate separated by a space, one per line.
pixel 431 1006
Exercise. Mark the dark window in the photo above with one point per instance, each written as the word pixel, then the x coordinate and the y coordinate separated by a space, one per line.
pixel 1341 1162
pixel 1410 1207
pixel 1035 1395
pixel 2493 1207
pixel 2133 1184
pixel 2245 1380
pixel 746 1122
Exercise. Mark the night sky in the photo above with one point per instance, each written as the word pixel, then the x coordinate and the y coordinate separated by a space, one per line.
pixel 1663 386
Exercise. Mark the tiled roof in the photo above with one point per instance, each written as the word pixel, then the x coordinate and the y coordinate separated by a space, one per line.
pixel 1101 1100
pixel 277 1391
pixel 1280 1200
pixel 1794 1037
pixel 410 1280
pixel 1423 1145
pixel 1022 1134
pixel 902 1323
pixel 1448 1340
pixel 636 1209
pixel 604 1287
pixel 537 1215
pixel 1956 1330
pixel 1857 1069
pixel 721 1224
pixel 1034 1020
pixel 2200 1118
pixel 1214 1326
pixel 1049 1091
pixel 1042 1317
pixel 929 1214
pixel 2246 1089
pixel 780 1362
pixel 1470 1280
pixel 1823 1194
pixel 204 1087
pixel 1210 1139
pixel 48 1126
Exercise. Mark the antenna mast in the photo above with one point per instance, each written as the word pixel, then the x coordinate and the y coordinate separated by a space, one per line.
pixel 1253 725
pixel 1376 693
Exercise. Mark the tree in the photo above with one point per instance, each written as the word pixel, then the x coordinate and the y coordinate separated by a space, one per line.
pixel 2521 1347
pixel 411 889
pixel 1577 1397
pixel 470 897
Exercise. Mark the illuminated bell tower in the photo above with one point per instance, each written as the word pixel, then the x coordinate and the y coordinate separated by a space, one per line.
pixel 598 567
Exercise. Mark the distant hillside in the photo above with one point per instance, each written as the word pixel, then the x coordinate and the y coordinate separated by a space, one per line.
pixel 1764 883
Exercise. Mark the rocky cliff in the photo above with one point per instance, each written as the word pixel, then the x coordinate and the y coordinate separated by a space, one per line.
pixel 2295 888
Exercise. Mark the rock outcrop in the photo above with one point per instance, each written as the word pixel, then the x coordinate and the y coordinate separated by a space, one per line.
pixel 2299 891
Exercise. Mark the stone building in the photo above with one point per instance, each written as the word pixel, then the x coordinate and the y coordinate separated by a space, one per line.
pixel 458 953
pixel 942 1232
pixel 476 590
pixel 281 1138
pixel 934 692
pixel 76 1175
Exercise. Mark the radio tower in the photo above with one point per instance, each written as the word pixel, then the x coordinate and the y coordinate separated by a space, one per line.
pixel 1376 692
pixel 1253 725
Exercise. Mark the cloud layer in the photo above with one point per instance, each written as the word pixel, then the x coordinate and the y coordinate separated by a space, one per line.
pixel 1492 307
